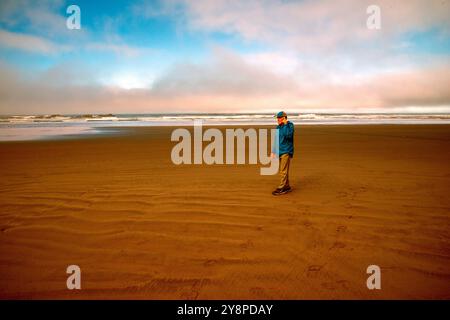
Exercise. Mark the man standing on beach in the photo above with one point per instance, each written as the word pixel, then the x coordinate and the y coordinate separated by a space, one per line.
pixel 285 153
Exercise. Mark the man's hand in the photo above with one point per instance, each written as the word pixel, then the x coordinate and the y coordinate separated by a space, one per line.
pixel 273 155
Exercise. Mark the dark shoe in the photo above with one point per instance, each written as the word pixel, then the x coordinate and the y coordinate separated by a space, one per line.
pixel 279 192
pixel 285 190
pixel 276 192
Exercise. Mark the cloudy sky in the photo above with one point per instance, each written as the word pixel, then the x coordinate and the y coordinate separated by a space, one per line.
pixel 224 56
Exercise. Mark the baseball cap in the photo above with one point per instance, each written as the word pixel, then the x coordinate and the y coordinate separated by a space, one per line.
pixel 281 114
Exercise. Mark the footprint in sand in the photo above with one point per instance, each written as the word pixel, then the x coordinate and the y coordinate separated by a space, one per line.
pixel 341 194
pixel 341 229
pixel 341 284
pixel 247 244
pixel 210 262
pixel 313 271
pixel 315 268
pixel 195 289
pixel 337 245
pixel 307 224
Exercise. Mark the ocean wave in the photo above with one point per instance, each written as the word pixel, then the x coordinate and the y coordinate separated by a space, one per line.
pixel 218 118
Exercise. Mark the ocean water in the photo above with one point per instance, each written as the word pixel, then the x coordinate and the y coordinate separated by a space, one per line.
pixel 31 127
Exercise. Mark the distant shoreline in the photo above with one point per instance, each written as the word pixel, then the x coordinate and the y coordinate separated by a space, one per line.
pixel 63 131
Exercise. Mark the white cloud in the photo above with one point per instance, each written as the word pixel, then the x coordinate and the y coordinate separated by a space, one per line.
pixel 30 43
pixel 311 24
pixel 226 73
pixel 226 83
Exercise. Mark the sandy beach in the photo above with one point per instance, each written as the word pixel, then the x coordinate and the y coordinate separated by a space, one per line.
pixel 141 227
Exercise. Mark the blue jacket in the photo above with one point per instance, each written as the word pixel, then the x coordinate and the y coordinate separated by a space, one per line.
pixel 286 139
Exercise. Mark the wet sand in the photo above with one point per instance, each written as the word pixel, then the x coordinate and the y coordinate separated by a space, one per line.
pixel 141 227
